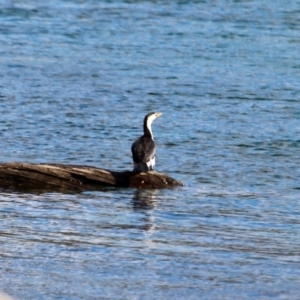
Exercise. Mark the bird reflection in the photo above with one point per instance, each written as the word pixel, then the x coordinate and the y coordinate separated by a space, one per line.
pixel 144 199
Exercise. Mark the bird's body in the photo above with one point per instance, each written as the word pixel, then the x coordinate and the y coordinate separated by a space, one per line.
pixel 143 149
pixel 143 154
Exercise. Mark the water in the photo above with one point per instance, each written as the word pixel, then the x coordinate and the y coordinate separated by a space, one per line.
pixel 77 78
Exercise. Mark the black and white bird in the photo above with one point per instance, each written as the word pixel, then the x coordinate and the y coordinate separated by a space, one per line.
pixel 143 149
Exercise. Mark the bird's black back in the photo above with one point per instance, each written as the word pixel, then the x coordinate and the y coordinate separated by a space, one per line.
pixel 143 149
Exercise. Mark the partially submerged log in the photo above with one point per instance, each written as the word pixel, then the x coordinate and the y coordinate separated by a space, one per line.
pixel 75 177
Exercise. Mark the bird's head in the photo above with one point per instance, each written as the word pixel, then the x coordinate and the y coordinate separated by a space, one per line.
pixel 149 118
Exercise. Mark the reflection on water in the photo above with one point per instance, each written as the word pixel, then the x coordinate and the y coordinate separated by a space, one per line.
pixel 139 237
pixel 144 198
pixel 144 201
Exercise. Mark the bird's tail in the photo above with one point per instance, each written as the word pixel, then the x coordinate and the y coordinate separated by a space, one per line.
pixel 140 167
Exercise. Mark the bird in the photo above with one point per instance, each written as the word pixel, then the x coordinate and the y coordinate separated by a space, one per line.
pixel 143 149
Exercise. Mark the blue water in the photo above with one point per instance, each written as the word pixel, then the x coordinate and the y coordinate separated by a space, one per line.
pixel 77 78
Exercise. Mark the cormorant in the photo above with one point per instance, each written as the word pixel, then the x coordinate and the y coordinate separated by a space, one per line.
pixel 143 149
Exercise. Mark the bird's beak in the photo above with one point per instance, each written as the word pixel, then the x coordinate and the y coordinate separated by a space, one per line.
pixel 158 114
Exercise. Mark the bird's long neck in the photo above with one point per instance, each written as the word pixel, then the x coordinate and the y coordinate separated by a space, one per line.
pixel 147 129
